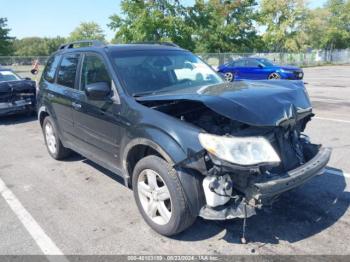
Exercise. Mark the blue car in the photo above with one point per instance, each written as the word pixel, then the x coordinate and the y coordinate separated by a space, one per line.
pixel 258 69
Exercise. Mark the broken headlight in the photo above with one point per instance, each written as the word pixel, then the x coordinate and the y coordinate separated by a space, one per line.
pixel 240 150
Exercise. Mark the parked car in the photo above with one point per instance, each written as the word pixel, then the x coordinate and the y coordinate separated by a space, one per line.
pixel 16 94
pixel 188 143
pixel 258 69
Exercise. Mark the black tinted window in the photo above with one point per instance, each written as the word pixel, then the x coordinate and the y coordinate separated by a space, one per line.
pixel 51 67
pixel 94 71
pixel 68 68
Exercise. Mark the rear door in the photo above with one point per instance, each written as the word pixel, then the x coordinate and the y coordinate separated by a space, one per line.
pixel 96 121
pixel 60 92
pixel 253 70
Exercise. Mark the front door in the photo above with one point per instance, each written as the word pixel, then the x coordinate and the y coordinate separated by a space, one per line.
pixel 95 120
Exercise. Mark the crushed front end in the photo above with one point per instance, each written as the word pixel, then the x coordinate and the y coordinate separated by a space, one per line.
pixel 235 187
pixel 253 143
pixel 17 96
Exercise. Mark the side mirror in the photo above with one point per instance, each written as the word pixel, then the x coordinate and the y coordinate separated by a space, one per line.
pixel 98 91
pixel 260 66
pixel 27 78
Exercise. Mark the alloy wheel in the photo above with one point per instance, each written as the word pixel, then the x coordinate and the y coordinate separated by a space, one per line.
pixel 154 196
pixel 229 77
pixel 274 75
pixel 50 138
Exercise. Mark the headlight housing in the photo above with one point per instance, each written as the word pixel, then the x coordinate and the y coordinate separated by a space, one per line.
pixel 245 151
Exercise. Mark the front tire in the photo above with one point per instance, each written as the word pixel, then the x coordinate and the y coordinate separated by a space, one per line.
pixel 229 77
pixel 53 143
pixel 274 76
pixel 160 196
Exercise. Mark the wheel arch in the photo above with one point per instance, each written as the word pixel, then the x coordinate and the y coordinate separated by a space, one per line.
pixel 139 148
pixel 189 179
pixel 42 113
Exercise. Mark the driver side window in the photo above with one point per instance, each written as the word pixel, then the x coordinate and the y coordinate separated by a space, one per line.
pixel 93 71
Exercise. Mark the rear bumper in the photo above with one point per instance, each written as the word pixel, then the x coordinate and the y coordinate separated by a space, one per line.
pixel 266 192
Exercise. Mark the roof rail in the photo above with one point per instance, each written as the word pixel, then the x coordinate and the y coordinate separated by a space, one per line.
pixel 156 43
pixel 83 43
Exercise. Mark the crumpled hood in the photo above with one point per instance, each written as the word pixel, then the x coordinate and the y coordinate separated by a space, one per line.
pixel 17 86
pixel 11 89
pixel 258 103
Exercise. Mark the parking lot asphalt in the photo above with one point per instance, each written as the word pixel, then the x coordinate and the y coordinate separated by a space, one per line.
pixel 77 207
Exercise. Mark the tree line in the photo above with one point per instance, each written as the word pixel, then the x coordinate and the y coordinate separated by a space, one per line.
pixel 44 46
pixel 210 26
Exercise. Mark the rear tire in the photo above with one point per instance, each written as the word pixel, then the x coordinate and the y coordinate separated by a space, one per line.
pixel 177 216
pixel 52 141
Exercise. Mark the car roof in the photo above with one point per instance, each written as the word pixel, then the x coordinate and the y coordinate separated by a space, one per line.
pixel 252 58
pixel 140 47
pixel 98 46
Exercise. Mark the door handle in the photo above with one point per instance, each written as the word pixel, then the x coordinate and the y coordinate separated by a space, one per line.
pixel 76 105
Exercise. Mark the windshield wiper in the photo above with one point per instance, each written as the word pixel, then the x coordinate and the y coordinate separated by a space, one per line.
pixel 141 94
pixel 154 92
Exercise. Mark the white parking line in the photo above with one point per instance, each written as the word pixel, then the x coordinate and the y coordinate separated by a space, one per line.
pixel 46 245
pixel 332 119
pixel 338 173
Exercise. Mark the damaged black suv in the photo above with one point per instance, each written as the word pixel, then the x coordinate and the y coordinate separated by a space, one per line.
pixel 17 95
pixel 186 142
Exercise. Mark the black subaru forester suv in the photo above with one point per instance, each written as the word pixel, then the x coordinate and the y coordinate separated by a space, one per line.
pixel 188 143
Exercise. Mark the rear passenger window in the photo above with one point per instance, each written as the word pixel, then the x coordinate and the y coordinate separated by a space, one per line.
pixel 93 71
pixel 51 67
pixel 67 72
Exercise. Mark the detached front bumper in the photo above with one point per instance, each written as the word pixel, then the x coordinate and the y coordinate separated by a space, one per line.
pixel 267 189
pixel 264 192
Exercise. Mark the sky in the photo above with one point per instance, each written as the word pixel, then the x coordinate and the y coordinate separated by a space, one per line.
pixel 45 18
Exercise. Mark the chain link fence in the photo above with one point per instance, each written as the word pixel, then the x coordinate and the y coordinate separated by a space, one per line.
pixel 314 58
pixel 23 65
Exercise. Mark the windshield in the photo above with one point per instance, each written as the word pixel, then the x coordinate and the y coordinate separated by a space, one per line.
pixel 266 62
pixel 8 76
pixel 154 71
